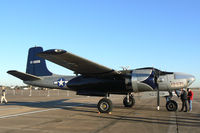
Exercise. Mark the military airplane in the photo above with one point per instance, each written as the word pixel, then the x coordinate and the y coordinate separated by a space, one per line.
pixel 93 79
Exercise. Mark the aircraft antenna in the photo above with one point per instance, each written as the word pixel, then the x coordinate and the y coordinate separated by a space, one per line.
pixel 125 67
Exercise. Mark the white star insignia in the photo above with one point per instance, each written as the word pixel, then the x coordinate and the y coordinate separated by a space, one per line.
pixel 61 82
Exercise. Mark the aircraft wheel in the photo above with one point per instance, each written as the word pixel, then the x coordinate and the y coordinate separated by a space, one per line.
pixel 105 105
pixel 131 102
pixel 172 105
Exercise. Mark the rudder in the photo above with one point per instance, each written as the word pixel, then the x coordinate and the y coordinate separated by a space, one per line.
pixel 36 65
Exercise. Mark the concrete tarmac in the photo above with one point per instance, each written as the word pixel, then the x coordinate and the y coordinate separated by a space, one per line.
pixel 78 114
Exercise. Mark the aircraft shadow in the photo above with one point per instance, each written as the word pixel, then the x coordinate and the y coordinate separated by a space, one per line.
pixel 61 103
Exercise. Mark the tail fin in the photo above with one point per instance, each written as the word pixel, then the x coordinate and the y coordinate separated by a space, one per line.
pixel 36 65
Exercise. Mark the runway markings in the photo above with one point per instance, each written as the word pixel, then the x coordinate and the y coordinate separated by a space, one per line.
pixel 39 111
pixel 26 113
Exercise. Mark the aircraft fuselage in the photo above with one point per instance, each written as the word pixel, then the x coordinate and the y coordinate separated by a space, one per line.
pixel 137 80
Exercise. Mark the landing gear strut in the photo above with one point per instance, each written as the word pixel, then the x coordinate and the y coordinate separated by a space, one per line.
pixel 129 101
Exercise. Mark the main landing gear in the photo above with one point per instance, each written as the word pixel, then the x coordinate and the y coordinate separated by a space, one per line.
pixel 129 101
pixel 105 105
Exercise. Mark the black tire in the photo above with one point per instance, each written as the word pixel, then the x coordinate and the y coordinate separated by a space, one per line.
pixel 105 105
pixel 131 102
pixel 171 105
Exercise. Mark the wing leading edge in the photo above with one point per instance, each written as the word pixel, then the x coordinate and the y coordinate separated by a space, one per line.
pixel 77 64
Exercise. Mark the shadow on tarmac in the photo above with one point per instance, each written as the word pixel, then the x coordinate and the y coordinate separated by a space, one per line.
pixel 62 104
pixel 186 120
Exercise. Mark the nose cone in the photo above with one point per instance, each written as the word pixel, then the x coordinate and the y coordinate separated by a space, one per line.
pixel 188 77
pixel 191 79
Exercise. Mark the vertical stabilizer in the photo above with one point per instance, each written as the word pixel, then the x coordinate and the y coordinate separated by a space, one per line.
pixel 36 65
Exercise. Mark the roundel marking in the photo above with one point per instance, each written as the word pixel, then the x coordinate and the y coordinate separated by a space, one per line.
pixel 61 82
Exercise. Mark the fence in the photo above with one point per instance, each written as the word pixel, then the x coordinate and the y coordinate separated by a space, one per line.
pixel 47 93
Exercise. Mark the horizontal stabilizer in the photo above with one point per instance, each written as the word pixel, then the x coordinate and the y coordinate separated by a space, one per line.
pixel 23 76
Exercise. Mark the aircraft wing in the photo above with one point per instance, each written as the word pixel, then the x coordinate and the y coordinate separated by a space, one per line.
pixel 75 63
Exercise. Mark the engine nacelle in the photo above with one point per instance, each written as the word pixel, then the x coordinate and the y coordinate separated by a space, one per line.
pixel 96 86
pixel 141 80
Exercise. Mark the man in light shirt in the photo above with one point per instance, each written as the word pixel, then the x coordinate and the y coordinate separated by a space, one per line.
pixel 3 96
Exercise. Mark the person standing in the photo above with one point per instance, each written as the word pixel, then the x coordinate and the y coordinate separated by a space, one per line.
pixel 3 96
pixel 183 96
pixel 190 98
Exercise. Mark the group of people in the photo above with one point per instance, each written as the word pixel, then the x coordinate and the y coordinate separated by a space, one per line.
pixel 186 97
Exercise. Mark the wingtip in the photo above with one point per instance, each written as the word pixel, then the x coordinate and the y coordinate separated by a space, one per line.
pixel 11 71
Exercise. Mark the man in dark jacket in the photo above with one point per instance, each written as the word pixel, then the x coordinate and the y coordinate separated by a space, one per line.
pixel 184 100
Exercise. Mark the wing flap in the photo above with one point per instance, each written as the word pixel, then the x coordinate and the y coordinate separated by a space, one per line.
pixel 23 76
pixel 76 63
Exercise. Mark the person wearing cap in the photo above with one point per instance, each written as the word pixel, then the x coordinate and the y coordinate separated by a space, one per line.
pixel 190 98
pixel 183 96
pixel 3 96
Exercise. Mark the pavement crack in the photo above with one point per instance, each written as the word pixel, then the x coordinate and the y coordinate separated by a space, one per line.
pixel 116 120
pixel 176 122
pixel 110 124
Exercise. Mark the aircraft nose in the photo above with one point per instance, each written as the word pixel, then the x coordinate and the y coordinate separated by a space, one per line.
pixel 190 78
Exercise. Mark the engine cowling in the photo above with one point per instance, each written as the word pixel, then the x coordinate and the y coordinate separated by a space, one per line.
pixel 141 80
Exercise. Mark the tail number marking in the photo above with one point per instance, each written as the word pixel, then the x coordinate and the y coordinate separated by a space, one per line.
pixel 35 62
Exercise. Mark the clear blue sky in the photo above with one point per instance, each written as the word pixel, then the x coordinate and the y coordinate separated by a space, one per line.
pixel 138 33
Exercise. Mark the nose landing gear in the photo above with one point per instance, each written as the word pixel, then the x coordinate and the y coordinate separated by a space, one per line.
pixel 171 105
